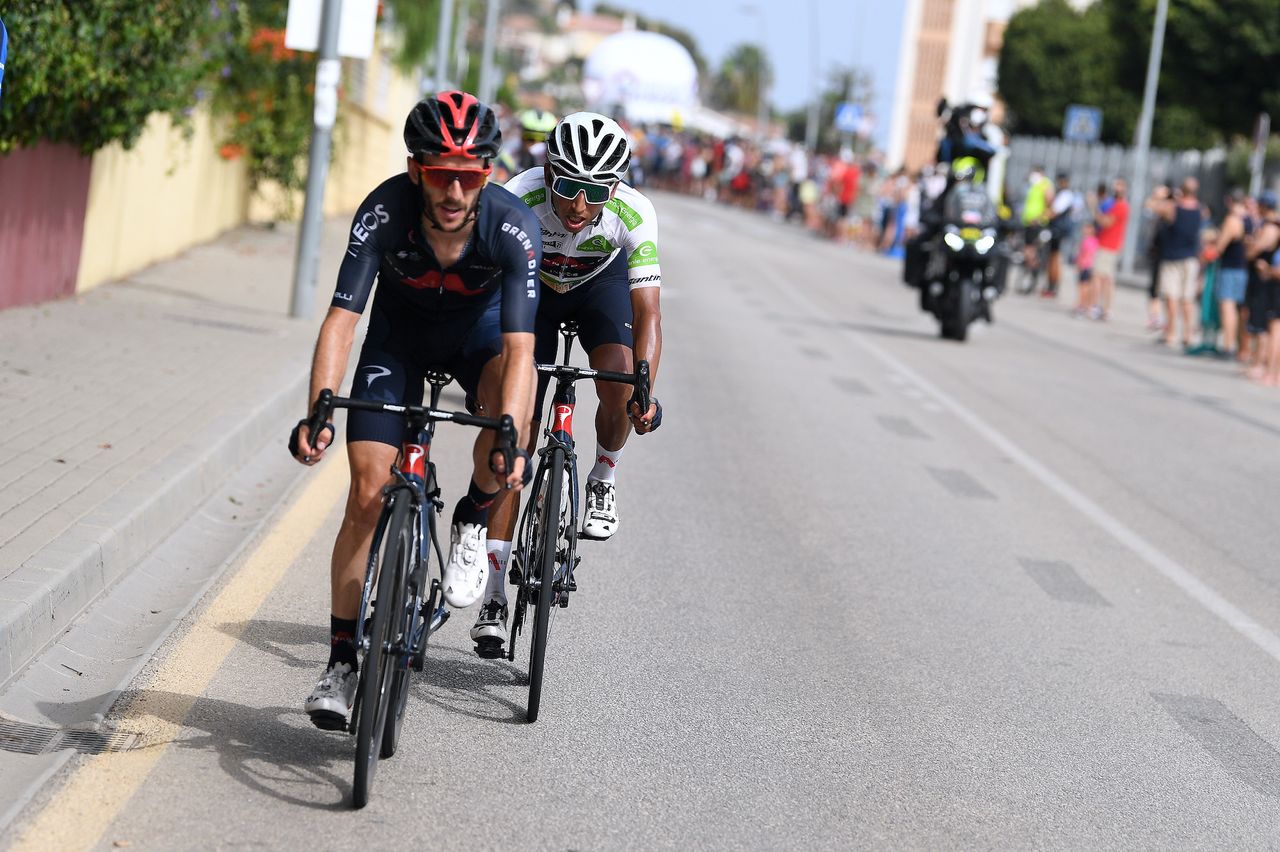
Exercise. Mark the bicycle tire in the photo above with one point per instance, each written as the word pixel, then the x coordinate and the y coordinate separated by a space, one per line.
pixel 400 677
pixel 545 563
pixel 379 667
pixel 522 555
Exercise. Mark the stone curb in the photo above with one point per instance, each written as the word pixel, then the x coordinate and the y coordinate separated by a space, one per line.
pixel 51 588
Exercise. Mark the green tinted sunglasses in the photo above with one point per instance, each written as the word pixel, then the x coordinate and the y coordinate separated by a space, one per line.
pixel 568 188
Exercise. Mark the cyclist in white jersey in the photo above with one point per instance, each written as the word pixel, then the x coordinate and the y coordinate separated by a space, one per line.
pixel 600 268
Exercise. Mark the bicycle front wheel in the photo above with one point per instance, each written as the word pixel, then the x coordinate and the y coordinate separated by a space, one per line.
pixel 399 694
pixel 379 661
pixel 544 563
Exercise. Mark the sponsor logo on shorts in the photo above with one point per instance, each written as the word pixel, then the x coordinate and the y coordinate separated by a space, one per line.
pixel 371 374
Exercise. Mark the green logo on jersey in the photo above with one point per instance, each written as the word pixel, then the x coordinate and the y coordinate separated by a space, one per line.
pixel 533 199
pixel 629 217
pixel 646 254
pixel 597 243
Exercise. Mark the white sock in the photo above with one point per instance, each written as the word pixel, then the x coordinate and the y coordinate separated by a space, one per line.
pixel 499 554
pixel 606 463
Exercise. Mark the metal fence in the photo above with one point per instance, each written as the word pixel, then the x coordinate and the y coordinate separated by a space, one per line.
pixel 1090 165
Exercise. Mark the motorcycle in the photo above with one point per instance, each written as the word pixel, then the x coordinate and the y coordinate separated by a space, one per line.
pixel 961 266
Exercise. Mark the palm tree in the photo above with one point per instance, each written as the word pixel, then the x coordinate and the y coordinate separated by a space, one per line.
pixel 743 74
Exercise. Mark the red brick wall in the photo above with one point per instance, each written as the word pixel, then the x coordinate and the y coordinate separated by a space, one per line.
pixel 43 193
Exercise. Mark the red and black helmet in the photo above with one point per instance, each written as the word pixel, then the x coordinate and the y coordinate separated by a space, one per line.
pixel 453 124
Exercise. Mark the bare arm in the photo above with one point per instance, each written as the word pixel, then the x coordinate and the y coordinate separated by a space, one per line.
pixel 1232 230
pixel 646 311
pixel 328 365
pixel 517 390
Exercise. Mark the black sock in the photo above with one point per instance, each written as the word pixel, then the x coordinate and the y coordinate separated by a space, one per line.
pixel 342 642
pixel 474 507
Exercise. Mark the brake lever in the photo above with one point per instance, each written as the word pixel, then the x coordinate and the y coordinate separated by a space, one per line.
pixel 640 396
pixel 507 443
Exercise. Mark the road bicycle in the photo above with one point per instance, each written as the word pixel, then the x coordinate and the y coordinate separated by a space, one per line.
pixel 545 553
pixel 401 602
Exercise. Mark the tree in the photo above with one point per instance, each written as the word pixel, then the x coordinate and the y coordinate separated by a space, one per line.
pixel 90 73
pixel 1054 56
pixel 743 75
pixel 1219 68
pixel 1217 72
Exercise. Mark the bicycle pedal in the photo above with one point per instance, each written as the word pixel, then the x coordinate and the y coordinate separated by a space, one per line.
pixel 490 648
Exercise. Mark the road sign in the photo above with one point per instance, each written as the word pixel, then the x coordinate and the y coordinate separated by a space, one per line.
pixel 848 117
pixel 355 34
pixel 1082 124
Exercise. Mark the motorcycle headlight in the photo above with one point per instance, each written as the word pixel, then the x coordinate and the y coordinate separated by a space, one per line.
pixel 955 242
pixel 985 244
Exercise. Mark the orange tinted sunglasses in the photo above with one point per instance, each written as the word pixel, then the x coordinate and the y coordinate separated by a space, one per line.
pixel 441 176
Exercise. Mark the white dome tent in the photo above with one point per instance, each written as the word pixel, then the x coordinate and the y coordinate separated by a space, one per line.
pixel 642 76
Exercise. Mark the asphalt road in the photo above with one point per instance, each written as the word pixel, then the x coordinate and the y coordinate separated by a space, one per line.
pixel 871 589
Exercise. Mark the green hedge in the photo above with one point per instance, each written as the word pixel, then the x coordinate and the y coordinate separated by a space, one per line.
pixel 90 72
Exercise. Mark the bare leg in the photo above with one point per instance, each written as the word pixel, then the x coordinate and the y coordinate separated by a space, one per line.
pixel 612 423
pixel 1230 317
pixel 370 464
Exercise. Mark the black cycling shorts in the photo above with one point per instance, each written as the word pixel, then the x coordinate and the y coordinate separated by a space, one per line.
pixel 397 355
pixel 602 309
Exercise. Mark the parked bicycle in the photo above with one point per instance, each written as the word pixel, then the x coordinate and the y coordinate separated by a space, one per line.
pixel 546 549
pixel 401 602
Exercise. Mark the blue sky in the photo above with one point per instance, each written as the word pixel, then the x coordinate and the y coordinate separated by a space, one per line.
pixel 850 32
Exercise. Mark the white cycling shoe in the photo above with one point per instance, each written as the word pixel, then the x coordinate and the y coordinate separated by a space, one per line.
pixel 465 574
pixel 490 630
pixel 601 519
pixel 330 702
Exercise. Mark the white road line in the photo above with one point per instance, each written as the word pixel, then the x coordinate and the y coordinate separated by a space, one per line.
pixel 1194 587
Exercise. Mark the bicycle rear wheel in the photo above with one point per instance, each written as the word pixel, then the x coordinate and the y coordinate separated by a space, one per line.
pixel 544 563
pixel 379 665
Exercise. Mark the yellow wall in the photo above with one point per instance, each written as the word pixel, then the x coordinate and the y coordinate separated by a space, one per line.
pixel 169 193
pixel 154 201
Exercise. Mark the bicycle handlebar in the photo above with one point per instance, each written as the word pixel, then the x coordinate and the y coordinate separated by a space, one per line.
pixel 640 379
pixel 326 402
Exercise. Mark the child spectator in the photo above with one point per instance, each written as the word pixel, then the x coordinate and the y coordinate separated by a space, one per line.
pixel 1084 265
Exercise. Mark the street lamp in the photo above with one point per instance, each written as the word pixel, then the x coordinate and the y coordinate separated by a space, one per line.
pixel 762 103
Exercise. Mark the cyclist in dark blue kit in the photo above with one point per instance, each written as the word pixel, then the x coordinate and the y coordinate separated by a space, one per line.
pixel 456 260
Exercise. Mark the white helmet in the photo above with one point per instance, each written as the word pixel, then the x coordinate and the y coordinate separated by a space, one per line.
pixel 589 146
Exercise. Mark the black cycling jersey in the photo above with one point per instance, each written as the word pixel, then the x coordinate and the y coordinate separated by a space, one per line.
pixel 387 243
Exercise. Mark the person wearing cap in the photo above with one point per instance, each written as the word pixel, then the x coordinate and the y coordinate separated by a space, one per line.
pixel 455 262
pixel 600 269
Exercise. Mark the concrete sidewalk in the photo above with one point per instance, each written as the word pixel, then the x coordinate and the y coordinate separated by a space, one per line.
pixel 125 408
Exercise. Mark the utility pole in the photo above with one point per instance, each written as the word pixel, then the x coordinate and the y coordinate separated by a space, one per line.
pixel 1258 159
pixel 461 62
pixel 1138 185
pixel 488 74
pixel 328 73
pixel 815 98
pixel 762 104
pixel 442 45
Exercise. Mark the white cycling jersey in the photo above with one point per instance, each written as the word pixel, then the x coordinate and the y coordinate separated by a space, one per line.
pixel 627 224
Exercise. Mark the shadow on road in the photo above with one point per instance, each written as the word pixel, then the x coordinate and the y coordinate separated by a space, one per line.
pixel 277 637
pixel 460 682
pixel 271 750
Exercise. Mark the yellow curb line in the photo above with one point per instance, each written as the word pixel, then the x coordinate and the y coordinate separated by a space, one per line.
pixel 94 796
